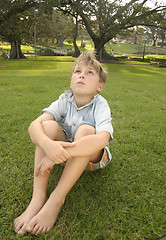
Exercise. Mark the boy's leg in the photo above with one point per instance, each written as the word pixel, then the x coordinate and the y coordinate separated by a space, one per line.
pixel 39 198
pixel 74 167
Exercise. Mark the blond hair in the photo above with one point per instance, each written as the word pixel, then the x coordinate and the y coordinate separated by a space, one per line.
pixel 89 58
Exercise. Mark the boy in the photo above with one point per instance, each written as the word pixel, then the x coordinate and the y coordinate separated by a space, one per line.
pixel 81 142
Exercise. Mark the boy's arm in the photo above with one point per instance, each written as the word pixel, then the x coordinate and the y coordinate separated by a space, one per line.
pixel 53 149
pixel 85 146
pixel 36 131
pixel 88 145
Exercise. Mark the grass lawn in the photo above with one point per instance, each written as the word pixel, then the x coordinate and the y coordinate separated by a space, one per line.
pixel 119 48
pixel 125 201
pixel 128 48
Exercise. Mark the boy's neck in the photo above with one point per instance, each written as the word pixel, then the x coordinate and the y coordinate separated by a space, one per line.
pixel 82 100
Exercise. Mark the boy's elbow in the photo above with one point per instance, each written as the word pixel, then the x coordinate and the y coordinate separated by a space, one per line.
pixel 104 138
pixel 30 129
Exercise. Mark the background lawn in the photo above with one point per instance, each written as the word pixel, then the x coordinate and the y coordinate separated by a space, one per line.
pixel 126 200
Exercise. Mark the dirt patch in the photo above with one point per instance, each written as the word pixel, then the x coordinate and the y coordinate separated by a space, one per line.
pixel 3 66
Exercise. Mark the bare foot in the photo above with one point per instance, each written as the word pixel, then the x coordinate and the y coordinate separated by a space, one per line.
pixel 33 208
pixel 45 219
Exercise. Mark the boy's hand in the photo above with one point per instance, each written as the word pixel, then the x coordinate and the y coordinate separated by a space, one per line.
pixel 44 167
pixel 55 150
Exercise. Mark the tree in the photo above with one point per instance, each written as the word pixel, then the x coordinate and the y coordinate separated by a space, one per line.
pixel 15 22
pixel 14 31
pixel 9 8
pixel 63 26
pixel 77 51
pixel 104 19
pixel 159 32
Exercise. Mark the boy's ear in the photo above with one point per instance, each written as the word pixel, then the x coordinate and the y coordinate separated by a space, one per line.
pixel 101 87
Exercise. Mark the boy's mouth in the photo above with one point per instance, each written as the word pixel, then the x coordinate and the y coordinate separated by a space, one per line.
pixel 80 82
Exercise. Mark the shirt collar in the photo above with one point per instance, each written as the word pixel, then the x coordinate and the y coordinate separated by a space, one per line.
pixel 72 100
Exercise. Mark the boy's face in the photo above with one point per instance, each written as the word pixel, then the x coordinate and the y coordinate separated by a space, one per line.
pixel 85 81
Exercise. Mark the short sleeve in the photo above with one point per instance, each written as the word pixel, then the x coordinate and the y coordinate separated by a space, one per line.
pixel 57 108
pixel 103 117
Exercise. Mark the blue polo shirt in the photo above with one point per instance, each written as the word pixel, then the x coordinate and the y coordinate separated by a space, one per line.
pixel 95 113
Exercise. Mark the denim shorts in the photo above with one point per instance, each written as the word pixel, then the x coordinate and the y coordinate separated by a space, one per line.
pixel 105 160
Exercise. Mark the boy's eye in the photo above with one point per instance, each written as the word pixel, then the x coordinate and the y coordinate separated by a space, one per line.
pixel 90 72
pixel 77 71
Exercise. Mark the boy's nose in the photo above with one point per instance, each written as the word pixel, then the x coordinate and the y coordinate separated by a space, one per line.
pixel 82 75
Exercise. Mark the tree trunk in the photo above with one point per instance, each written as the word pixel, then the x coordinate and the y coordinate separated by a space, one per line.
pixel 16 52
pixel 76 49
pixel 101 53
pixel 162 38
pixel 135 38
pixel 144 51
pixel 155 39
pixel 61 40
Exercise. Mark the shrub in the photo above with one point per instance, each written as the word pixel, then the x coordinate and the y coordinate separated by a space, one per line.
pixel 140 59
pixel 70 53
pixel 4 55
pixel 46 52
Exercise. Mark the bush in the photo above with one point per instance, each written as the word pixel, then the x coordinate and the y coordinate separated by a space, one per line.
pixel 70 53
pixel 160 60
pixel 46 52
pixel 140 59
pixel 162 65
pixel 4 55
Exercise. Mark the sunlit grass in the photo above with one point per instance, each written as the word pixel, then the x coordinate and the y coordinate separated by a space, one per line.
pixel 119 48
pixel 24 48
pixel 124 201
pixel 5 47
pixel 156 56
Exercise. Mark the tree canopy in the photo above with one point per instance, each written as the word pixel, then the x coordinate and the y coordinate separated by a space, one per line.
pixel 15 21
pixel 9 8
pixel 103 19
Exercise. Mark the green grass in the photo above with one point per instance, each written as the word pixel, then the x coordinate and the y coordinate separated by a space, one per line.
pixel 30 50
pixel 125 201
pixel 24 48
pixel 119 48
pixel 128 48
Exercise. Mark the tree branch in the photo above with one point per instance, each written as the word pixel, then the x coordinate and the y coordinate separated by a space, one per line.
pixel 86 20
pixel 17 8
pixel 146 25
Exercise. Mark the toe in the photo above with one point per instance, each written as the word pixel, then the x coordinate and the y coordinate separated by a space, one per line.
pixel 22 230
pixel 48 229
pixel 18 227
pixel 35 229
pixel 28 229
pixel 40 230
pixel 44 230
pixel 31 225
pixel 16 222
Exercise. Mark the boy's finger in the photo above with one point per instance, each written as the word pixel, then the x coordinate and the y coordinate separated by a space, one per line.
pixel 68 144
pixel 37 171
pixel 42 173
pixel 48 171
pixel 44 169
pixel 65 156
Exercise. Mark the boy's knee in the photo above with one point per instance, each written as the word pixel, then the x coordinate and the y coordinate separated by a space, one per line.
pixel 84 130
pixel 48 127
pixel 48 124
